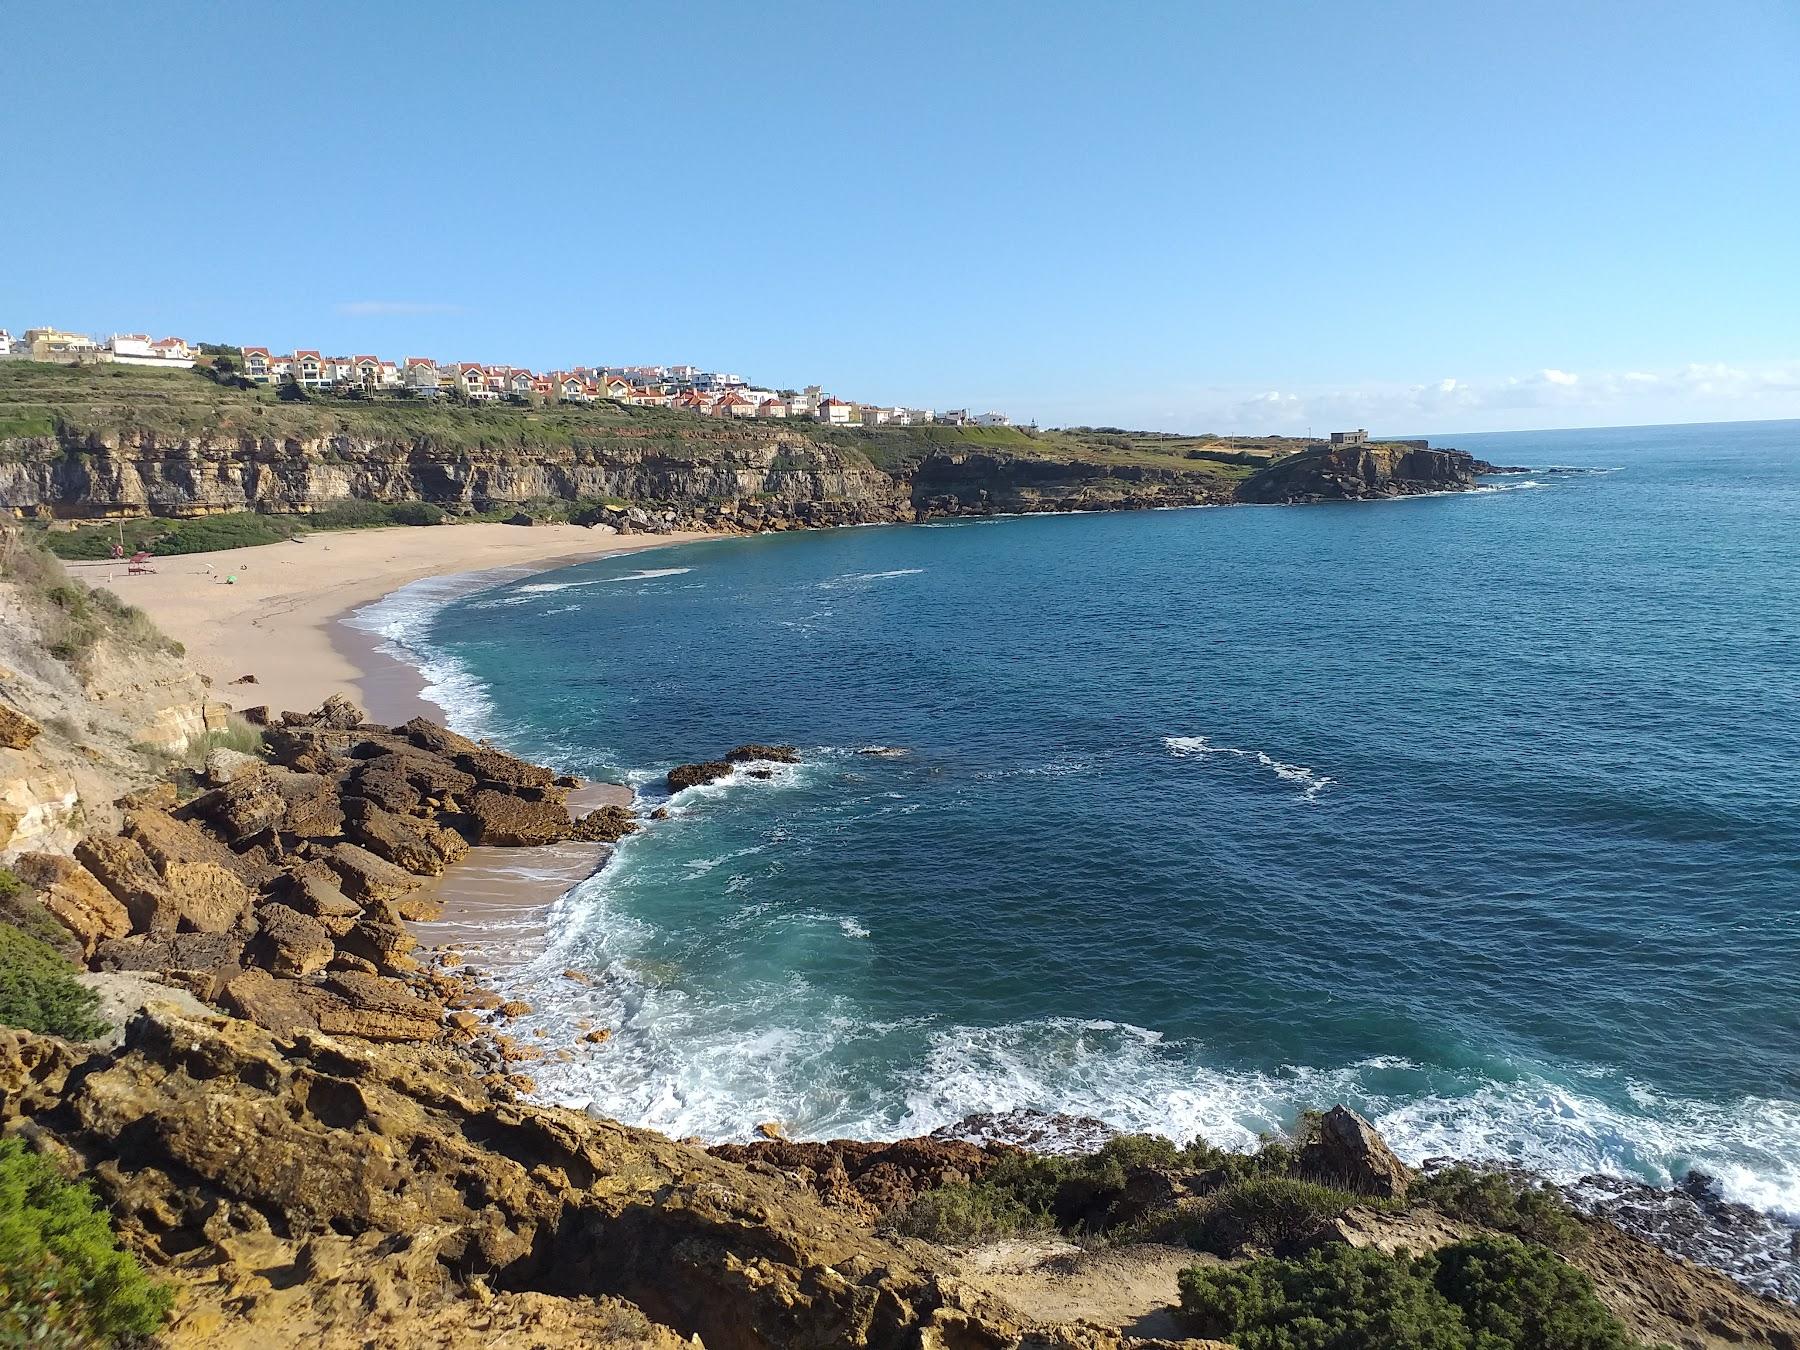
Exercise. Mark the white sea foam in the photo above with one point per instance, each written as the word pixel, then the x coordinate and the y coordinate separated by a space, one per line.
pixel 1310 782
pixel 644 574
pixel 403 618
pixel 864 578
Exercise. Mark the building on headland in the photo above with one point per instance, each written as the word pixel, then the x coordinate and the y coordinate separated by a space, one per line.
pixel 686 388
pixel 6 343
pixel 1357 437
pixel 52 344
pixel 137 349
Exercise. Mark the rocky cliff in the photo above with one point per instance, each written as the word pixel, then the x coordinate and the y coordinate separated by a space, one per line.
pixel 1358 472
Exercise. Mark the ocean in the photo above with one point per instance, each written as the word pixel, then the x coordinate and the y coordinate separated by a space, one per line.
pixel 1474 811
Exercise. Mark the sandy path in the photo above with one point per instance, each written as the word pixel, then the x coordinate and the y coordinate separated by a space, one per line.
pixel 278 620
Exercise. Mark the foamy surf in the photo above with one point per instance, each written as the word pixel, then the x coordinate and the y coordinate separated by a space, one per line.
pixel 1310 782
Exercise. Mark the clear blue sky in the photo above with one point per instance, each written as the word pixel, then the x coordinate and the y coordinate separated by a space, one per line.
pixel 1247 216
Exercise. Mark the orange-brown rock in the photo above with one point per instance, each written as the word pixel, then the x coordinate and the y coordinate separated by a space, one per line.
pixel 394 838
pixel 500 818
pixel 606 825
pixel 17 731
pixel 498 767
pixel 372 1007
pixel 290 943
pixel 75 896
pixel 122 866
pixel 366 877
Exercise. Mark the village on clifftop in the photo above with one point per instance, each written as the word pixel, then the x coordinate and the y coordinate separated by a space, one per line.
pixel 687 388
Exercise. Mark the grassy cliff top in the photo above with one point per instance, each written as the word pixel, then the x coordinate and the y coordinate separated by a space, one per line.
pixel 112 401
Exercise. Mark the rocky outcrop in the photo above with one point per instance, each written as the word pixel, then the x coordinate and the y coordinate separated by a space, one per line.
pixel 1346 1151
pixel 684 776
pixel 869 1179
pixel 1359 472
pixel 384 1182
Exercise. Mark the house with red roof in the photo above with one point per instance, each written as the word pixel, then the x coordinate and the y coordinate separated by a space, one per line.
pixel 771 407
pixel 835 412
pixel 734 405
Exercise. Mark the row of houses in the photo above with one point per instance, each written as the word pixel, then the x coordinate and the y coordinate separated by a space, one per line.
pixel 131 349
pixel 709 393
pixel 687 388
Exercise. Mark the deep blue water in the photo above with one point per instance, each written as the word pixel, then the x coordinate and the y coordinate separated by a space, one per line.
pixel 1477 811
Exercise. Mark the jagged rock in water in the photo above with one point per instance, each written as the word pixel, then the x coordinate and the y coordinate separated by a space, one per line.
pixel 695 775
pixel 775 754
pixel 605 825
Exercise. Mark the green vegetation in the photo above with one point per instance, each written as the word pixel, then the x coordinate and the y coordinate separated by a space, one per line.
pixel 231 529
pixel 1488 1294
pixel 64 1282
pixel 1277 1214
pixel 961 1214
pixel 1525 1208
pixel 38 990
pixel 10 885
pixel 76 617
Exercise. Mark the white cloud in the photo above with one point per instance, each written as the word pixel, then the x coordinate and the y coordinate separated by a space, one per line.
pixel 1561 377
pixel 377 308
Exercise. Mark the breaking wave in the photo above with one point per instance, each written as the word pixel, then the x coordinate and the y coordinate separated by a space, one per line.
pixel 1310 783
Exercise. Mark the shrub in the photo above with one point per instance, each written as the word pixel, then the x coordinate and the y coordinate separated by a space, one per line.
pixel 1273 1214
pixel 1490 1294
pixel 964 1213
pixel 1337 1298
pixel 1513 1293
pixel 1525 1208
pixel 63 1279
pixel 10 885
pixel 38 990
pixel 417 513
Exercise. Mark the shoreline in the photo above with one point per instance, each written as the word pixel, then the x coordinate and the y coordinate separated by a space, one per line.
pixel 282 619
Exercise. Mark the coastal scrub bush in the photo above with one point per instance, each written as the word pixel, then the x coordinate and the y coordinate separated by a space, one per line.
pixel 81 616
pixel 1490 1294
pixel 1520 1206
pixel 10 885
pixel 963 1213
pixel 1269 1213
pixel 63 1279
pixel 38 990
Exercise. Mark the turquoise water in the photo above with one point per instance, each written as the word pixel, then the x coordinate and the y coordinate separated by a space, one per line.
pixel 1475 811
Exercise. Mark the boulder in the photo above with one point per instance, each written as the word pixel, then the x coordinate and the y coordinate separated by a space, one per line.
pixel 310 806
pixel 224 765
pixel 313 890
pixel 366 877
pixel 290 943
pixel 1346 1151
pixel 75 896
pixel 775 754
pixel 498 768
pixel 694 775
pixel 383 781
pixel 428 735
pixel 124 994
pixel 607 825
pixel 273 1004
pixel 120 865
pixel 338 712
pixel 392 837
pixel 349 1003
pixel 500 818
pixel 241 809
pixel 204 961
pixel 16 729
pixel 387 946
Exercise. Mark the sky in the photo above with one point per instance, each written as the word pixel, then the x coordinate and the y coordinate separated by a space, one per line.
pixel 1243 217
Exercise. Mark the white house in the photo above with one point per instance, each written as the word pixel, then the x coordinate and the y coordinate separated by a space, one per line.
pixel 6 343
pixel 136 349
pixel 992 419
pixel 256 364
pixel 834 412
pixel 310 370
pixel 956 417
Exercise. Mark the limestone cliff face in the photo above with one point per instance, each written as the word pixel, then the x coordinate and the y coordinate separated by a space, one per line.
pixel 101 476
pixel 1354 472
pixel 760 477
pixel 975 482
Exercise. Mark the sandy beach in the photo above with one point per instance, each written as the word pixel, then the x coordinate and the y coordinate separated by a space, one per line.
pixel 279 619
